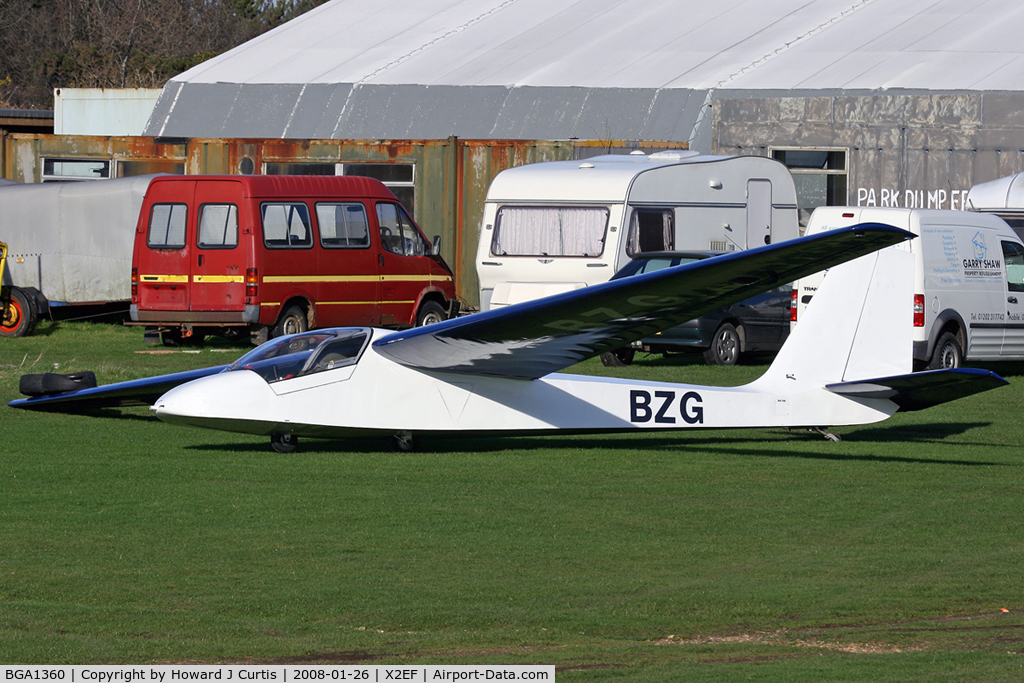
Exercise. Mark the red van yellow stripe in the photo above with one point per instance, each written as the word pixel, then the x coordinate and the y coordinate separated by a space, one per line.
pixel 163 278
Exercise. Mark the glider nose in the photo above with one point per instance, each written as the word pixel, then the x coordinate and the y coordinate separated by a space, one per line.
pixel 183 405
pixel 216 402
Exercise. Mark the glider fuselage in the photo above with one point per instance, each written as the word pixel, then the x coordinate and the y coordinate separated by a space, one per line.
pixel 379 396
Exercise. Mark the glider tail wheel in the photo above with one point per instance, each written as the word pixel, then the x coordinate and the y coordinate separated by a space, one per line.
pixel 284 443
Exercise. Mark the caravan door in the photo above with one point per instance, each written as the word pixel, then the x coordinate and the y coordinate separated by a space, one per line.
pixel 759 213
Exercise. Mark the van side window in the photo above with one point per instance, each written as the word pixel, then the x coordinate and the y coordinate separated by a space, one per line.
pixel 1013 256
pixel 651 230
pixel 549 231
pixel 398 234
pixel 343 226
pixel 167 226
pixel 286 224
pixel 218 226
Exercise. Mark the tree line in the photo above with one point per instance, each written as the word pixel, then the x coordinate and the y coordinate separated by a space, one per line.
pixel 48 44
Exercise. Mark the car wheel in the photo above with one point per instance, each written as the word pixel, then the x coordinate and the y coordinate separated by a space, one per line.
pixel 430 313
pixel 725 346
pixel 292 321
pixel 947 353
pixel 619 358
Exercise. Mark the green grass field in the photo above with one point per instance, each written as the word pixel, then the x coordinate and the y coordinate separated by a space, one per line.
pixel 765 555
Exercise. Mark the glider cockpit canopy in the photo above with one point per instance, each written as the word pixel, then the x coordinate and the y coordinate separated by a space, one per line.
pixel 303 354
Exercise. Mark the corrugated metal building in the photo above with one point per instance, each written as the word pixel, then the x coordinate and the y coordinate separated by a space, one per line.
pixel 884 102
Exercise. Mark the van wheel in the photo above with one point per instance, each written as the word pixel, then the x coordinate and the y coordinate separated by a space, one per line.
pixel 947 353
pixel 20 314
pixel 430 313
pixel 292 321
pixel 725 346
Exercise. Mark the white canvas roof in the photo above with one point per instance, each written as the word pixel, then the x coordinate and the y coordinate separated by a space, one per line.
pixel 589 69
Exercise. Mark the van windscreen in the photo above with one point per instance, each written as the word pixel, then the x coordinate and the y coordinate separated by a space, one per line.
pixel 550 231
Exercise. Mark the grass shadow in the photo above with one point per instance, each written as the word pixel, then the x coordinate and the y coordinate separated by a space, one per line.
pixel 720 441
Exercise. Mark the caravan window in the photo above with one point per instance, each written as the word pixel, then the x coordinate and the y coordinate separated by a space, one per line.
pixel 549 231
pixel 651 230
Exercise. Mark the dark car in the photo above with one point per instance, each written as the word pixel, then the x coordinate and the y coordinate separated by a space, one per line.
pixel 757 324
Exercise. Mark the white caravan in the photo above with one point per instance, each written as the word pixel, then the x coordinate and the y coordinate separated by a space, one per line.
pixel 557 226
pixel 968 281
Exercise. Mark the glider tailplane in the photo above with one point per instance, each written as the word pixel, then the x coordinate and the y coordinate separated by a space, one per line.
pixel 858 326
pixel 921 390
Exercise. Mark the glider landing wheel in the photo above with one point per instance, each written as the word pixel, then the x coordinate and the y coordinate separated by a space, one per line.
pixel 404 441
pixel 284 443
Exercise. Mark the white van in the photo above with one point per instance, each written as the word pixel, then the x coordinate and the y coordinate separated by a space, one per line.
pixel 968 281
pixel 556 226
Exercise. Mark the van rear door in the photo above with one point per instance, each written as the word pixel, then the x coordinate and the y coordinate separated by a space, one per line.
pixel 163 253
pixel 217 263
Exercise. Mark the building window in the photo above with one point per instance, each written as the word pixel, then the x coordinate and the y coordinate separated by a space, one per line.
pixel 65 170
pixel 399 178
pixel 820 176
pixel 129 168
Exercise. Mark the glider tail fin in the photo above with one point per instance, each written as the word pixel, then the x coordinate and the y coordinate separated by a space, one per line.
pixel 858 326
pixel 856 340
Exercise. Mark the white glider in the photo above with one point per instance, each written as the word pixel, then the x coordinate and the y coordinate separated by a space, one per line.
pixel 848 362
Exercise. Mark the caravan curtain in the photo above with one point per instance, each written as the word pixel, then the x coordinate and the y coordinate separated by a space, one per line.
pixel 550 231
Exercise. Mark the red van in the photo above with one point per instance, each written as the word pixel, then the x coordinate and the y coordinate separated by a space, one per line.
pixel 275 255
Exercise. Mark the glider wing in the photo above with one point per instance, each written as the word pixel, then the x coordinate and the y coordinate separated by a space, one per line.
pixel 136 392
pixel 535 338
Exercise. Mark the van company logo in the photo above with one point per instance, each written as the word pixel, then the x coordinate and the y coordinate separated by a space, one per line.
pixel 980 249
pixel 981 267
